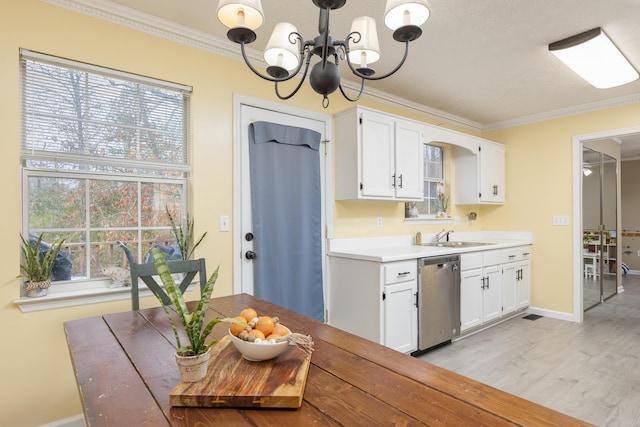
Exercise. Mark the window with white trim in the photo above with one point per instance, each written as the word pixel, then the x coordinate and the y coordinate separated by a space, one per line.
pixel 433 161
pixel 104 157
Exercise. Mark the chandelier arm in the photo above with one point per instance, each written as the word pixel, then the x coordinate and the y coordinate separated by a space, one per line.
pixel 374 77
pixel 302 79
pixel 269 78
pixel 347 97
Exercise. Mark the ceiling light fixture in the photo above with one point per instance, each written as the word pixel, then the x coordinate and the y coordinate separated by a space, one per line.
pixel 287 53
pixel 594 57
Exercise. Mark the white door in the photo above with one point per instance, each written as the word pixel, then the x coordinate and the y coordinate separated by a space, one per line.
pixel 247 112
pixel 377 148
pixel 401 317
pixel 409 161
pixel 470 298
pixel 492 294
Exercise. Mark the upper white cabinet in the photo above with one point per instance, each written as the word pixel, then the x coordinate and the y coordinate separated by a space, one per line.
pixel 480 175
pixel 378 156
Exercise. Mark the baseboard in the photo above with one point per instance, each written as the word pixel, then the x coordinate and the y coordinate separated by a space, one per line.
pixel 551 313
pixel 75 421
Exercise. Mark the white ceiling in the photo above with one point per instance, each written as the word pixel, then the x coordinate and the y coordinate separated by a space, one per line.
pixel 485 62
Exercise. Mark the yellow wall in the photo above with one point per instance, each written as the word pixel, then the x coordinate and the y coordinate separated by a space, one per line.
pixel 539 186
pixel 36 370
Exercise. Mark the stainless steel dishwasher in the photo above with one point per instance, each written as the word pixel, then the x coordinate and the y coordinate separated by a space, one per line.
pixel 438 300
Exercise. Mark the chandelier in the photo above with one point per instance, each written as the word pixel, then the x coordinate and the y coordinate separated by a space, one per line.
pixel 287 53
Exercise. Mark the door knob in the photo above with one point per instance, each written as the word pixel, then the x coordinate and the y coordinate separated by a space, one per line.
pixel 250 255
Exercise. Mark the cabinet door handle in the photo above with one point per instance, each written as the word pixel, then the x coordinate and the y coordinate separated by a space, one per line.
pixel 483 283
pixel 404 273
pixel 487 282
pixel 416 303
pixel 393 180
pixel 400 181
pixel 495 190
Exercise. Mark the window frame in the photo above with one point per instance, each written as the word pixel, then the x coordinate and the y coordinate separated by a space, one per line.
pixel 96 290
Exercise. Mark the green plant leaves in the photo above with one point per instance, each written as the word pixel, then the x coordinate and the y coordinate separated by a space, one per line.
pixel 193 323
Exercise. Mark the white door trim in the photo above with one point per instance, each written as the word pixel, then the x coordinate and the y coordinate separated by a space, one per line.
pixel 238 102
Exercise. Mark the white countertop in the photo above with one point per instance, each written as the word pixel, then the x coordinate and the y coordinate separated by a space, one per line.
pixel 400 248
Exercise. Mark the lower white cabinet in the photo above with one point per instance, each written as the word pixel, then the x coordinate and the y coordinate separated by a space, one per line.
pixel 400 316
pixel 480 288
pixel 375 300
pixel 516 279
pixel 493 284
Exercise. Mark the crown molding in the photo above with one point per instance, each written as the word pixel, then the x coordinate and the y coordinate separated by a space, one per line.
pixel 131 18
pixel 564 112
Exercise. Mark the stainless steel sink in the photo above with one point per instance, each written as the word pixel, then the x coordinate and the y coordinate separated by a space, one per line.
pixel 455 244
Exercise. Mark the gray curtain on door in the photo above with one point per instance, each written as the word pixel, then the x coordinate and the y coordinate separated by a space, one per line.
pixel 287 217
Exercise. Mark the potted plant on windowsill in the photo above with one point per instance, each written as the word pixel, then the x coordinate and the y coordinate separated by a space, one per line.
pixel 36 268
pixel 184 236
pixel 193 359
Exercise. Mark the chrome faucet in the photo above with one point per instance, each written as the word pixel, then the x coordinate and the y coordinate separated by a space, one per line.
pixel 439 236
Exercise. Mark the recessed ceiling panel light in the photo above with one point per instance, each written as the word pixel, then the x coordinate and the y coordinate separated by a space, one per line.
pixel 594 57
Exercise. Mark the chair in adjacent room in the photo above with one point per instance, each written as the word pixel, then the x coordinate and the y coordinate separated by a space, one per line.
pixel 149 275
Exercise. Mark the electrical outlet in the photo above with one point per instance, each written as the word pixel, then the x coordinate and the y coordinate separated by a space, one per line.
pixel 638 253
pixel 379 221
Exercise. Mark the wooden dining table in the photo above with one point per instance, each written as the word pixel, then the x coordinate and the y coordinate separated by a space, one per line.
pixel 125 369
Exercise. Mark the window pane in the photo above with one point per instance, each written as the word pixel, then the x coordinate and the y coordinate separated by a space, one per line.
pixel 113 204
pixel 56 202
pixel 156 198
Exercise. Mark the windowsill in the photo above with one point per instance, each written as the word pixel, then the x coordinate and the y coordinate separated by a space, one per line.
pixel 428 220
pixel 62 299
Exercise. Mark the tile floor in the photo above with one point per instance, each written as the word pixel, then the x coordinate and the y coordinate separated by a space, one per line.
pixel 590 371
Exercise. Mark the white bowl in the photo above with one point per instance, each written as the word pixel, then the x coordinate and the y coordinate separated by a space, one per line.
pixel 258 352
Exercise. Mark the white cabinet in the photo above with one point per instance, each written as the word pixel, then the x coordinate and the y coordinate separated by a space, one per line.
pixel 480 174
pixel 480 288
pixel 401 312
pixel 523 278
pixel 378 156
pixel 516 279
pixel 375 300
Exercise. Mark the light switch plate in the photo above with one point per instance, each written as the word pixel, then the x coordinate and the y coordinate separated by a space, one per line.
pixel 561 220
pixel 224 222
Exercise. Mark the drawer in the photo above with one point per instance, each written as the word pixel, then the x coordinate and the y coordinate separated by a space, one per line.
pixel 516 254
pixel 491 257
pixel 470 261
pixel 400 272
pixel 510 255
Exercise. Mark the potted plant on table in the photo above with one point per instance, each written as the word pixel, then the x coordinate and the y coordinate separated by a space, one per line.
pixel 192 359
pixel 37 267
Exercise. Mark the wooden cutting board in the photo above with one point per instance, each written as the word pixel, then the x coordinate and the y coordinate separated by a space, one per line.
pixel 232 381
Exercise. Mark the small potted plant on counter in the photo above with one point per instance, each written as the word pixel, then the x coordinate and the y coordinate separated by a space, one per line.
pixel 37 265
pixel 193 359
